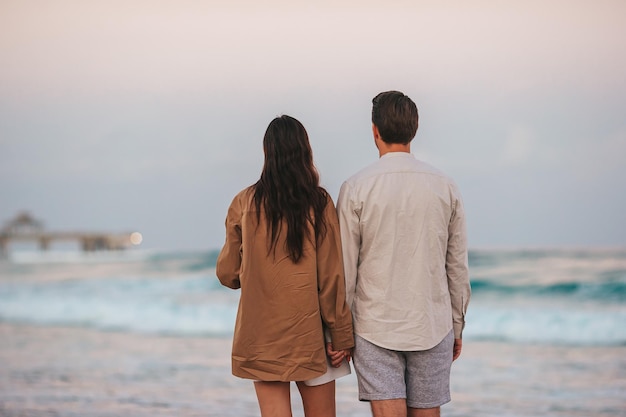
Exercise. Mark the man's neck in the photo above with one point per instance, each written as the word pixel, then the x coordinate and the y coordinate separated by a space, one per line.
pixel 385 148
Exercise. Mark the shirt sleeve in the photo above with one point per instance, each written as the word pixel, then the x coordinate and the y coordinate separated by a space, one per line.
pixel 228 265
pixel 332 293
pixel 350 239
pixel 457 265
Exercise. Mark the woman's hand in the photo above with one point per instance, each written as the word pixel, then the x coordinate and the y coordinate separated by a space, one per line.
pixel 337 356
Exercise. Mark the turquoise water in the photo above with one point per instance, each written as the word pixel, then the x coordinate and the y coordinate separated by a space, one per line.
pixel 554 297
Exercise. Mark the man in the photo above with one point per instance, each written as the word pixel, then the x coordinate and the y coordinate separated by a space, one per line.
pixel 405 259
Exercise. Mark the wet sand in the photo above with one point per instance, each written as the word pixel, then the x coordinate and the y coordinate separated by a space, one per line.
pixel 81 372
pixel 60 371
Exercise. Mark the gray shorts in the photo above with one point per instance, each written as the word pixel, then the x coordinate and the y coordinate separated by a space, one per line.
pixel 420 377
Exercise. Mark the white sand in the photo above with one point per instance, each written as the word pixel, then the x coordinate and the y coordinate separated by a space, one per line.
pixel 80 372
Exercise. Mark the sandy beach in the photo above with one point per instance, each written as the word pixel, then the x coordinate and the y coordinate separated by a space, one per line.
pixel 80 372
pixel 63 371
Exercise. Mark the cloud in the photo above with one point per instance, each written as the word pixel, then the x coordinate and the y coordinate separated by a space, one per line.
pixel 518 146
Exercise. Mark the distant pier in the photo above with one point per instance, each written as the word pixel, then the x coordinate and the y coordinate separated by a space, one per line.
pixel 25 228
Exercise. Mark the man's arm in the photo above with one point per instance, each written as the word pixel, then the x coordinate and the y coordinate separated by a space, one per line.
pixel 457 268
pixel 348 216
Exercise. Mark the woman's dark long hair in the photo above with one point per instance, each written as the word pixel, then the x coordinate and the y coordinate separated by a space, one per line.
pixel 288 189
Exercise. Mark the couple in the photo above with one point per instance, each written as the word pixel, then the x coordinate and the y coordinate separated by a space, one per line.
pixel 383 278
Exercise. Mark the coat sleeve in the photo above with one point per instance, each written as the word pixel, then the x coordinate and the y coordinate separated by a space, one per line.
pixel 228 264
pixel 457 265
pixel 332 291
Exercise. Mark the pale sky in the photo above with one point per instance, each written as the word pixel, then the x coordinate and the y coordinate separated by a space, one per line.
pixel 149 115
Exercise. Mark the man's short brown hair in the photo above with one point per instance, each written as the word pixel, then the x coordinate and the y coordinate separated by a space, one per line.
pixel 395 115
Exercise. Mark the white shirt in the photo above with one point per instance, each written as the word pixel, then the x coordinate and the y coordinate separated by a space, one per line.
pixel 405 253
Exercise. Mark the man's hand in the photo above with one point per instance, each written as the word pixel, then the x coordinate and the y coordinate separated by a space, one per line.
pixel 337 356
pixel 456 350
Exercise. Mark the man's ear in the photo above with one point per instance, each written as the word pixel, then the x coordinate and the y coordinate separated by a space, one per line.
pixel 375 131
pixel 377 139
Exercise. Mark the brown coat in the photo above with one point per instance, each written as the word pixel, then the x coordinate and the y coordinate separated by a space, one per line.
pixel 278 333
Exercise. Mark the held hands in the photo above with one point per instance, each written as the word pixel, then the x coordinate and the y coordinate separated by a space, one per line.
pixel 337 356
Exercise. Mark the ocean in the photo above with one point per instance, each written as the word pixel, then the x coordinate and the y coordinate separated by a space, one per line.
pixel 545 333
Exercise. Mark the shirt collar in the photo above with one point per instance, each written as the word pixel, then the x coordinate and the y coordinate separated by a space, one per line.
pixel 398 155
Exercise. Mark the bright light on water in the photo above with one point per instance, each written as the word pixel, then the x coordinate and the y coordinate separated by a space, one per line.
pixel 136 238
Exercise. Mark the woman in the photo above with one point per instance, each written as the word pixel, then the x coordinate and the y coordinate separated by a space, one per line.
pixel 283 250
